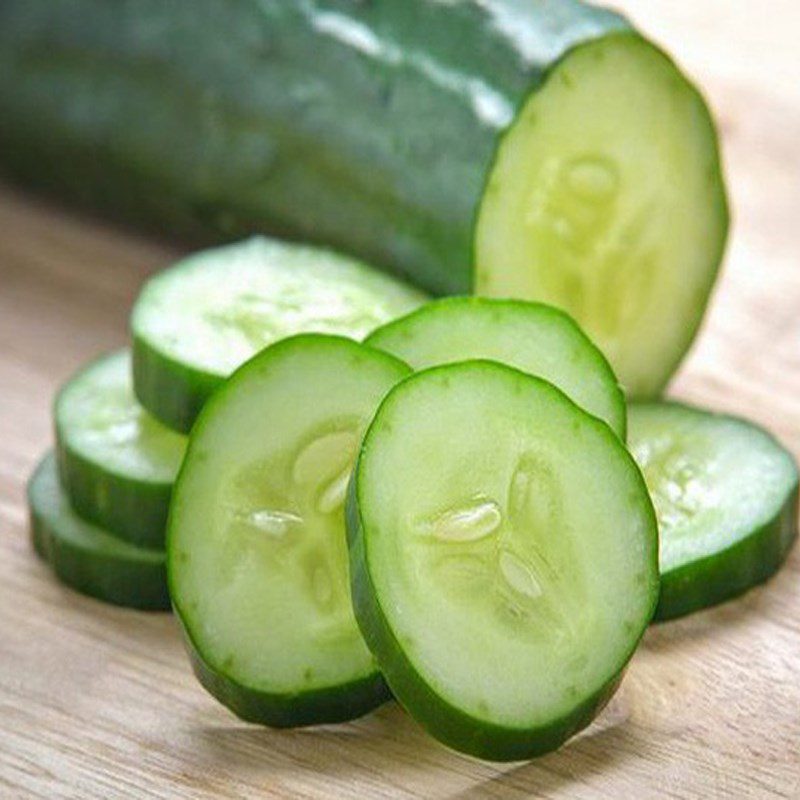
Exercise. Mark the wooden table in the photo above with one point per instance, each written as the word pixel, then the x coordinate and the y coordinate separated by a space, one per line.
pixel 98 702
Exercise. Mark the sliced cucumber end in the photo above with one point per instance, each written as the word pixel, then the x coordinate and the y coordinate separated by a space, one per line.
pixel 606 198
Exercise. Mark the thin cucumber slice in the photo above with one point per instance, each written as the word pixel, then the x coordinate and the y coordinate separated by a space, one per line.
pixel 116 462
pixel 503 557
pixel 532 337
pixel 88 558
pixel 195 323
pixel 606 198
pixel 257 552
pixel 726 495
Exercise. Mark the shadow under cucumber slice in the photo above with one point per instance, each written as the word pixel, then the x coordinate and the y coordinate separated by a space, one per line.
pixel 195 323
pixel 726 496
pixel 88 558
pixel 116 462
pixel 503 554
pixel 256 546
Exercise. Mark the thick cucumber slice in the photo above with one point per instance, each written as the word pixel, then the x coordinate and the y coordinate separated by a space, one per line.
pixel 606 199
pixel 195 323
pixel 503 555
pixel 726 497
pixel 532 337
pixel 257 552
pixel 87 558
pixel 117 463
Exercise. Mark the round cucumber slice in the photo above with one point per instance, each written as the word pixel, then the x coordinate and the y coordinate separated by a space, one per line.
pixel 88 558
pixel 195 323
pixel 606 198
pixel 726 497
pixel 116 462
pixel 257 551
pixel 532 337
pixel 503 557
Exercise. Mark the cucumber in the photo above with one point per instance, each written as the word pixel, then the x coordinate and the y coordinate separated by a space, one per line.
pixel 116 462
pixel 726 494
pixel 87 558
pixel 195 323
pixel 256 546
pixel 536 149
pixel 532 337
pixel 503 557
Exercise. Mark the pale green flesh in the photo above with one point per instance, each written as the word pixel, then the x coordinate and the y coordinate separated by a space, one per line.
pixel 714 479
pixel 534 338
pixel 605 199
pixel 510 542
pixel 215 310
pixel 99 418
pixel 258 553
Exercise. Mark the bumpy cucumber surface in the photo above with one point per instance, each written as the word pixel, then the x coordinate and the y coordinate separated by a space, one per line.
pixel 257 551
pixel 116 462
pixel 195 323
pixel 532 337
pixel 543 144
pixel 503 553
pixel 726 494
pixel 88 558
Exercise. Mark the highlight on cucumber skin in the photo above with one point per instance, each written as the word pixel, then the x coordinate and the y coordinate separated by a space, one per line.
pixel 503 557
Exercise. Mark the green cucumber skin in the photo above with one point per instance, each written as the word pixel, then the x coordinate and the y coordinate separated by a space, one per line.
pixel 325 120
pixel 318 707
pixel 448 724
pixel 133 510
pixel 172 392
pixel 140 584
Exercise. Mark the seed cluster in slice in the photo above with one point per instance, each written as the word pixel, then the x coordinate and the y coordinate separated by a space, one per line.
pixel 503 557
pixel 88 558
pixel 726 494
pixel 195 323
pixel 532 337
pixel 116 462
pixel 257 551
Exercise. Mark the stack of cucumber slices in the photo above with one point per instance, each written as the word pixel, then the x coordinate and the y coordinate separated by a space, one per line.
pixel 448 503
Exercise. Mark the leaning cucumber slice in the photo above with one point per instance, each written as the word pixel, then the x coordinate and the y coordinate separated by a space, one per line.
pixel 88 558
pixel 726 497
pixel 257 552
pixel 195 323
pixel 503 554
pixel 117 463
pixel 532 337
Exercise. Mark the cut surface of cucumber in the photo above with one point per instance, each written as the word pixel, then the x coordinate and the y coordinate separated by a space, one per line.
pixel 725 492
pixel 116 462
pixel 503 555
pixel 532 337
pixel 87 558
pixel 195 323
pixel 257 551
pixel 606 199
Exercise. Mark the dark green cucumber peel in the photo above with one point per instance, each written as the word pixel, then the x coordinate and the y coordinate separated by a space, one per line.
pixel 449 724
pixel 533 337
pixel 87 558
pixel 753 554
pixel 321 705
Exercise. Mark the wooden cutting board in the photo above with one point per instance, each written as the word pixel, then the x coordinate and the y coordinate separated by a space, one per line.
pixel 98 702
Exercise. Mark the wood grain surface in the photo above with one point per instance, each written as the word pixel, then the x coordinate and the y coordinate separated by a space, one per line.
pixel 98 702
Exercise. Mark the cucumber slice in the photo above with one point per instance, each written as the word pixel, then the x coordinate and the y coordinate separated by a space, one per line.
pixel 532 337
pixel 195 323
pixel 726 497
pixel 88 558
pixel 503 557
pixel 257 553
pixel 116 462
pixel 606 199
